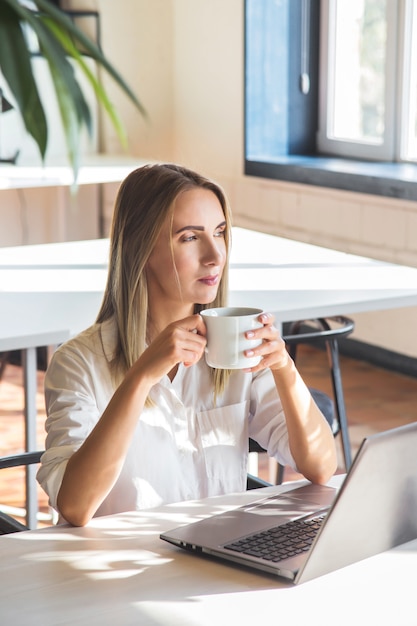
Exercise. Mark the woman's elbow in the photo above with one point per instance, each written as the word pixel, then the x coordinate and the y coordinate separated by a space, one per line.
pixel 322 472
pixel 319 469
pixel 72 514
pixel 321 478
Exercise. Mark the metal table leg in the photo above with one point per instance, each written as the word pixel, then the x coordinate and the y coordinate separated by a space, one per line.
pixel 29 364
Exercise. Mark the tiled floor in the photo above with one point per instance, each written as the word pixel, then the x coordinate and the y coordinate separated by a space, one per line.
pixel 376 400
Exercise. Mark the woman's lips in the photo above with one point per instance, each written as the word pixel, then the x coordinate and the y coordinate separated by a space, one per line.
pixel 211 281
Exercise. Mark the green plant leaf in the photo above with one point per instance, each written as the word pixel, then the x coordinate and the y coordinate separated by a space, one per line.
pixel 59 38
pixel 72 105
pixel 61 67
pixel 59 17
pixel 100 92
pixel 71 120
pixel 17 70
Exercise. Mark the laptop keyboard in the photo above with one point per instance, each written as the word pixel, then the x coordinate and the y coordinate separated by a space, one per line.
pixel 280 542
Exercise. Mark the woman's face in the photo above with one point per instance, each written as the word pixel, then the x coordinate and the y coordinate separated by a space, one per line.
pixel 192 273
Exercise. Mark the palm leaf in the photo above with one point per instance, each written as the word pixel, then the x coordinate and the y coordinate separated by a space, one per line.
pixel 59 38
pixel 100 92
pixel 17 70
pixel 60 18
pixel 73 108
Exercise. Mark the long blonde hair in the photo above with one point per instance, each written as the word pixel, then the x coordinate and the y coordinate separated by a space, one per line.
pixel 145 200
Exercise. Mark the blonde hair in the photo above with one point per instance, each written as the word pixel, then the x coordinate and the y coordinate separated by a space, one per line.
pixel 145 200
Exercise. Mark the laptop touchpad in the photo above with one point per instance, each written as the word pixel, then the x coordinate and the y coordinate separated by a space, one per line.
pixel 297 501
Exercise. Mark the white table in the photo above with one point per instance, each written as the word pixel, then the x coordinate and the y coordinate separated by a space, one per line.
pixel 52 291
pixel 296 280
pixel 117 571
pixel 84 254
pixel 290 278
pixel 94 170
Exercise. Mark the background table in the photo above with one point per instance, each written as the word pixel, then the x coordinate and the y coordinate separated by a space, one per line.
pixel 297 280
pixel 117 571
pixel 46 288
pixel 290 278
pixel 95 169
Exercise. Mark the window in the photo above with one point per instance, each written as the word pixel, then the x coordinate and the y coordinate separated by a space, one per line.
pixel 357 78
pixel 368 93
pixel 330 78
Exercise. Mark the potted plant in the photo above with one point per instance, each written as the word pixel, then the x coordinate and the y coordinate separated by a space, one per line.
pixel 60 41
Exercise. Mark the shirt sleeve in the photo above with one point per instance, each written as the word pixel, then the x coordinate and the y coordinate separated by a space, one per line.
pixel 72 413
pixel 267 423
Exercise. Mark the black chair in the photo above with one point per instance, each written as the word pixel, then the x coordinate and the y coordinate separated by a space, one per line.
pixel 7 523
pixel 324 333
pixel 254 482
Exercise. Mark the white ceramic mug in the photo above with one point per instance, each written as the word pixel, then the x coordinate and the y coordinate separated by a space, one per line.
pixel 226 341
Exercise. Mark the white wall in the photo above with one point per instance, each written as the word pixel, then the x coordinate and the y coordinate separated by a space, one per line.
pixel 138 38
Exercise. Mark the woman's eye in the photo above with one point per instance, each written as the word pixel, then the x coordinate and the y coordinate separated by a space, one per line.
pixel 188 238
pixel 220 233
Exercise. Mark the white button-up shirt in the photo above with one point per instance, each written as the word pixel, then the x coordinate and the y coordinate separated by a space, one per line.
pixel 185 447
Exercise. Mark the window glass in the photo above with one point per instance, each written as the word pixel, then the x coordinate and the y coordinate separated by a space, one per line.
pixel 409 108
pixel 358 82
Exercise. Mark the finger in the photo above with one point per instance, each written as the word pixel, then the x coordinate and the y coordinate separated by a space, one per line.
pixel 200 325
pixel 191 356
pixel 193 345
pixel 195 324
pixel 267 319
pixel 270 351
pixel 268 332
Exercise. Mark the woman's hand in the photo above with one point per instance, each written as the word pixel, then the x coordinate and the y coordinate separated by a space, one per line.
pixel 182 341
pixel 272 350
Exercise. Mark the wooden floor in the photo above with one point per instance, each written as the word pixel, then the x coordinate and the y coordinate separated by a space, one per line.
pixel 376 400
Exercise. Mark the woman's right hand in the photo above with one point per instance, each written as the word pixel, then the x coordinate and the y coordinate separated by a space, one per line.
pixel 182 341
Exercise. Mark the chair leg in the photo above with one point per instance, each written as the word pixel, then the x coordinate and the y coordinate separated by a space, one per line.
pixel 333 356
pixel 4 357
pixel 280 474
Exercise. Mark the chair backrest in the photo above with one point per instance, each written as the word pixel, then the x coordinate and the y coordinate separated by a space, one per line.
pixel 318 330
pixel 21 459
pixel 9 524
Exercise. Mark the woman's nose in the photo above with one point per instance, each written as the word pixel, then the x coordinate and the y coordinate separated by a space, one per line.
pixel 215 253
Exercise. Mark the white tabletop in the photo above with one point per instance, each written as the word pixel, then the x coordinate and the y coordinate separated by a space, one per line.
pixel 51 287
pixel 297 280
pixel 117 571
pixel 84 254
pixel 94 170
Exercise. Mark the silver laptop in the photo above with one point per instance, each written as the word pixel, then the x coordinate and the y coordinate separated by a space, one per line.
pixel 374 510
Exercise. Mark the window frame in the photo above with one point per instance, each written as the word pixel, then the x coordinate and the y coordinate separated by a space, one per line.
pixel 387 150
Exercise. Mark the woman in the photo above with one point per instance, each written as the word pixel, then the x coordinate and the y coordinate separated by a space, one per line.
pixel 135 416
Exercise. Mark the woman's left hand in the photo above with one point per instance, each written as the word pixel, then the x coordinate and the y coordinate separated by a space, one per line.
pixel 272 350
